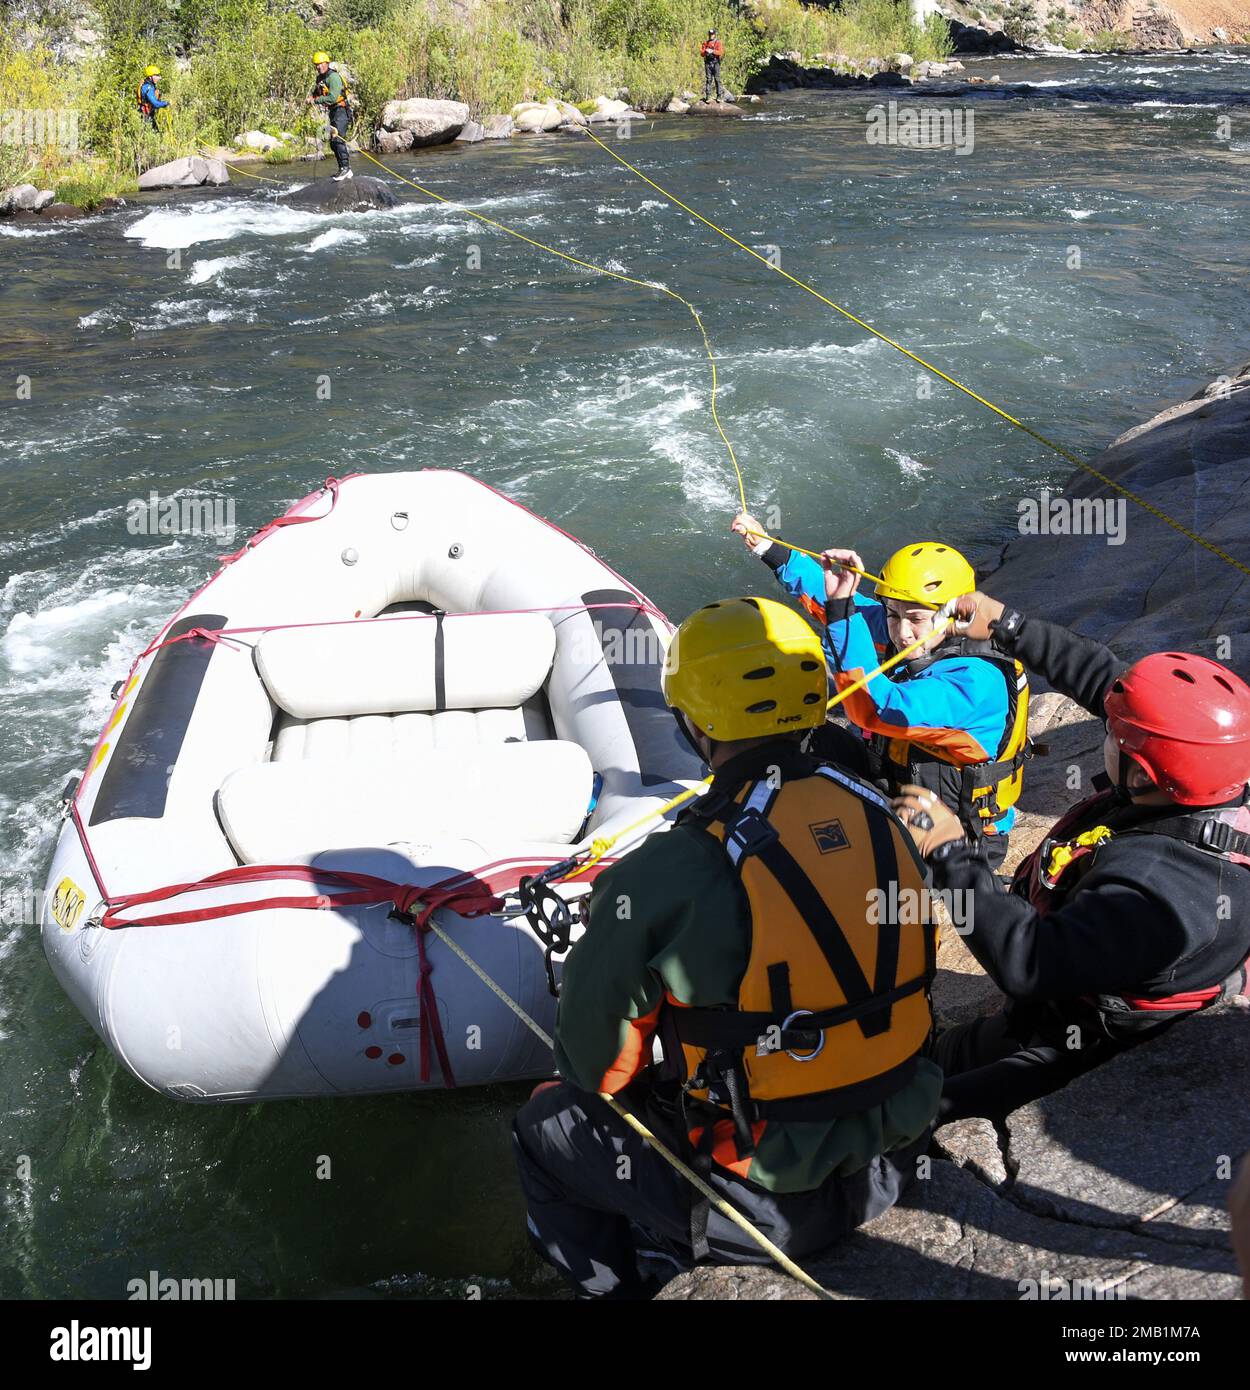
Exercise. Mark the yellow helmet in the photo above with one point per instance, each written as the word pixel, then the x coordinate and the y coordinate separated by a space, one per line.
pixel 320 57
pixel 745 668
pixel 151 70
pixel 926 573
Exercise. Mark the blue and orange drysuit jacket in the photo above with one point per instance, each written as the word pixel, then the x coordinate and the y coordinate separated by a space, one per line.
pixel 149 97
pixel 954 721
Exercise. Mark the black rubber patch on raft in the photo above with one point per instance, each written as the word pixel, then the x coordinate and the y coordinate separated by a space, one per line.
pixel 633 657
pixel 137 780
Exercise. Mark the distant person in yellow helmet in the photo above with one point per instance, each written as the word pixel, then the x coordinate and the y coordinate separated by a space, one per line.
pixel 150 101
pixel 953 717
pixel 330 93
pixel 750 945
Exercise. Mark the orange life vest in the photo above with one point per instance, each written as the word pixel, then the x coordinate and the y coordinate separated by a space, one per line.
pixel 833 1009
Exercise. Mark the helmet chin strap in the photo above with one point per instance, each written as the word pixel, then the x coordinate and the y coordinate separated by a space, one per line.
pixel 683 726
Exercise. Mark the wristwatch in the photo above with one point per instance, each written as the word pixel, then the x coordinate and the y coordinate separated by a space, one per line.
pixel 946 849
pixel 1004 628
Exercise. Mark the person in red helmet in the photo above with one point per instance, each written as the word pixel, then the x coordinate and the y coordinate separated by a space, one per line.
pixel 1134 912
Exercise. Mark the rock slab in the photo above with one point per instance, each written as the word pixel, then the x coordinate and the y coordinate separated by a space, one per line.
pixel 1113 1185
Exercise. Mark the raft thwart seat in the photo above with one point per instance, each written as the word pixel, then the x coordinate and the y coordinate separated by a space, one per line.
pixel 402 665
pixel 276 813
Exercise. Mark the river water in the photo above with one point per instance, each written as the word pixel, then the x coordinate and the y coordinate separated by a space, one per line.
pixel 1083 262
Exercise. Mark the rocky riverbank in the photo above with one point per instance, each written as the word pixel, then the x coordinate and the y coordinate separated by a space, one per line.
pixel 1066 1190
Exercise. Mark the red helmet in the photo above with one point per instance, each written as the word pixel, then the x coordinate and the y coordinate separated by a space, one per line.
pixel 1186 720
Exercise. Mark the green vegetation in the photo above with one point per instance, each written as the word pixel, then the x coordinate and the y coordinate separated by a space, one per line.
pixel 1104 40
pixel 235 65
pixel 1020 21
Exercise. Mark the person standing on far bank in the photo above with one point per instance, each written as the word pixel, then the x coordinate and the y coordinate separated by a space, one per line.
pixel 713 51
pixel 331 94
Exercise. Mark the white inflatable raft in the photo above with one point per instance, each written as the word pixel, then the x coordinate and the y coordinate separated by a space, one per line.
pixel 408 680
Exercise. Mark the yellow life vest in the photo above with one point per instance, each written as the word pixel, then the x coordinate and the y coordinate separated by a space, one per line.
pixel 833 1009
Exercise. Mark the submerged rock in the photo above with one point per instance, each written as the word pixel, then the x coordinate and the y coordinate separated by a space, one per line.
pixel 361 194
pixel 714 108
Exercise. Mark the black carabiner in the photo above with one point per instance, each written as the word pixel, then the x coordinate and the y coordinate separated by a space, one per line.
pixel 549 915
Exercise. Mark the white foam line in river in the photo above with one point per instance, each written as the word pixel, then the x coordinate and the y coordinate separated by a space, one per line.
pixel 225 219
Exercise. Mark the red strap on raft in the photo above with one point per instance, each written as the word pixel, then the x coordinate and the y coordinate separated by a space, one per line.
pixel 332 486
pixel 467 897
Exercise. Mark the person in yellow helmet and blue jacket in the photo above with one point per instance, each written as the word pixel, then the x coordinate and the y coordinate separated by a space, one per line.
pixel 789 1014
pixel 150 99
pixel 954 716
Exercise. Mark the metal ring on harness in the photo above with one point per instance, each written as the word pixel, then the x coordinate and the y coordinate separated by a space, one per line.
pixel 803 1057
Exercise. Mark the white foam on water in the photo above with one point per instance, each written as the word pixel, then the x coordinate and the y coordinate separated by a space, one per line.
pixel 336 236
pixel 1080 214
pixel 180 313
pixel 203 271
pixel 102 318
pixel 613 210
pixel 28 230
pixel 177 229
pixel 908 466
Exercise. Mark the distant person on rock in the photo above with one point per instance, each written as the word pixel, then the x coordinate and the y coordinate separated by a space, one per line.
pixel 330 92
pixel 953 717
pixel 1134 912
pixel 150 101
pixel 713 51
pixel 790 1014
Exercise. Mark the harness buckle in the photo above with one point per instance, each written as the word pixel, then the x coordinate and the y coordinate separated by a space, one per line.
pixel 750 834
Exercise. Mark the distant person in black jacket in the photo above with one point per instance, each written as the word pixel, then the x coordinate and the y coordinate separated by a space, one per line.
pixel 1135 911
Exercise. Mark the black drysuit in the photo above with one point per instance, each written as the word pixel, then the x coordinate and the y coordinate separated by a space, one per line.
pixel 1148 916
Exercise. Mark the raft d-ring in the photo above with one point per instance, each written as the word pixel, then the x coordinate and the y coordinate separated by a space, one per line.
pixel 399 520
pixel 803 1056
pixel 455 550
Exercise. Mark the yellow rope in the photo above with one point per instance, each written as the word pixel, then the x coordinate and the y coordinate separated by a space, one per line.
pixel 598 270
pixel 264 178
pixel 928 366
pixel 726 1210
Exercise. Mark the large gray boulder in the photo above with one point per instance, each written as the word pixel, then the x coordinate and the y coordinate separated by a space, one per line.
pixel 1159 587
pixel 192 172
pixel 20 198
pixel 473 132
pixel 498 127
pixel 352 195
pixel 428 121
pixel 392 141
